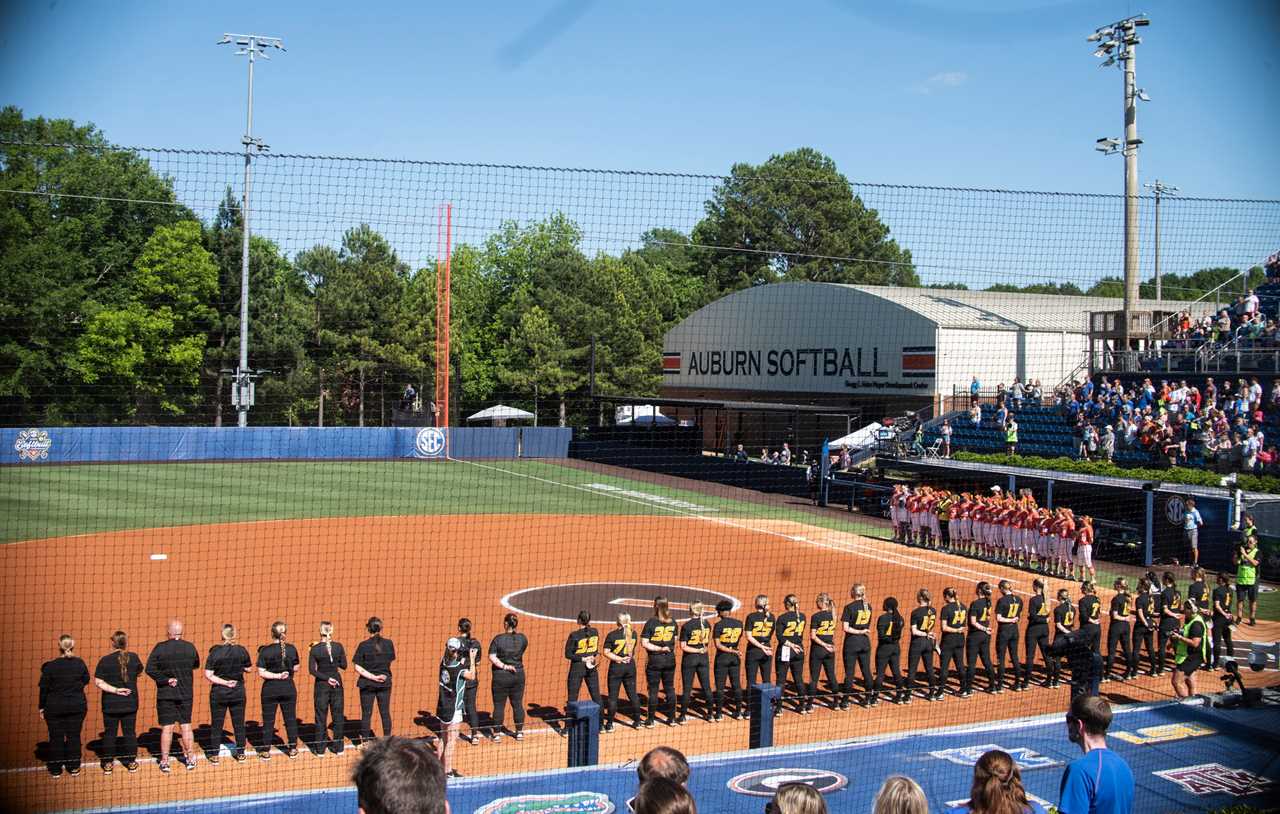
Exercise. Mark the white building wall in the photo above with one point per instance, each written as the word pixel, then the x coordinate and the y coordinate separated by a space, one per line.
pixel 1001 356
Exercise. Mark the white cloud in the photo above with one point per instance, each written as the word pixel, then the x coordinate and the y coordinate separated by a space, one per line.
pixel 941 81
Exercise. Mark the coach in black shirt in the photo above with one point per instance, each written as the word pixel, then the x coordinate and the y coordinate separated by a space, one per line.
pixel 277 662
pixel 63 706
pixel 117 676
pixel 373 662
pixel 170 666
pixel 506 654
pixel 326 661
pixel 224 669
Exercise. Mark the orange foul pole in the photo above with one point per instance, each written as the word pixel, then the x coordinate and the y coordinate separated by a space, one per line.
pixel 444 263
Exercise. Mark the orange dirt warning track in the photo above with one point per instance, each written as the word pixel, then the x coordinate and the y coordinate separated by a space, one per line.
pixel 420 574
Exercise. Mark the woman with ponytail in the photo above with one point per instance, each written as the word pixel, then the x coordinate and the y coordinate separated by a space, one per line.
pixel 63 706
pixel 117 676
pixel 277 662
pixel 506 656
pixel 997 788
pixel 373 664
pixel 224 669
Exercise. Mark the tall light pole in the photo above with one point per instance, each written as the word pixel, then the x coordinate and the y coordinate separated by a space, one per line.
pixel 252 46
pixel 1160 189
pixel 1118 42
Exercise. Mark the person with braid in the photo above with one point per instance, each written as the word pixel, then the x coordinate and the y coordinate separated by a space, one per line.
pixel 373 664
pixel 997 788
pixel 695 639
pixel 117 676
pixel 277 662
pixel 822 655
pixel 788 659
pixel 63 706
pixel 224 669
pixel 620 650
pixel 325 662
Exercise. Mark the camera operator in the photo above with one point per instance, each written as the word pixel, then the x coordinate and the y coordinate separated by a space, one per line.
pixel 1086 665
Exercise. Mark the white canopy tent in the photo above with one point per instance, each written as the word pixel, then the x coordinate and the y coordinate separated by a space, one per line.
pixel 858 439
pixel 640 414
pixel 500 414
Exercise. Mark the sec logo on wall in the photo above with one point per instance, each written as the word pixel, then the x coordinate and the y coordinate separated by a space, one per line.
pixel 429 443
pixel 765 783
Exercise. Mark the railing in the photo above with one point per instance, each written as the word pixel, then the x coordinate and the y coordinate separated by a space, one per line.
pixel 1155 329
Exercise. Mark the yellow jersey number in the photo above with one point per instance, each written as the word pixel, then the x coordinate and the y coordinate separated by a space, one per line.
pixel 761 630
pixel 663 634
pixel 793 628
pixel 730 635
pixel 588 645
pixel 699 637
pixel 827 628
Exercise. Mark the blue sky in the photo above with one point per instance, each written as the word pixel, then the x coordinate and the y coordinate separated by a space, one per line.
pixel 959 92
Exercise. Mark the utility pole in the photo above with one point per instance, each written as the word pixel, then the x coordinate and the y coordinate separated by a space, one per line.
pixel 1160 189
pixel 1119 42
pixel 252 46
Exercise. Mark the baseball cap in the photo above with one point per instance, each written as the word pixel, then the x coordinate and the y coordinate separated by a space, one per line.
pixel 454 643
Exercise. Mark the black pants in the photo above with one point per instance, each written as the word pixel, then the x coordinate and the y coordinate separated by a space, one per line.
pixel 469 706
pixel 622 676
pixel 1144 637
pixel 126 723
pixel 368 697
pixel 822 660
pixel 1222 644
pixel 508 688
pixel 1119 640
pixel 329 701
pixel 218 713
pixel 944 531
pixel 288 707
pixel 977 648
pixel 1094 633
pixel 579 674
pixel 887 657
pixel 794 670
pixel 858 656
pixel 921 649
pixel 1038 639
pixel 952 653
pixel 758 671
pixel 1007 644
pixel 726 671
pixel 1162 643
pixel 692 667
pixel 64 740
pixel 664 675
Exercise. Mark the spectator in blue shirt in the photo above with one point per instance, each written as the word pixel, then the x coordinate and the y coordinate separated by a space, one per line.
pixel 975 389
pixel 1100 782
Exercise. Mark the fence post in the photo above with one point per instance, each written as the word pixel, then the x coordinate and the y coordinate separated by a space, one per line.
pixel 1048 488
pixel 762 700
pixel 1149 488
pixel 584 733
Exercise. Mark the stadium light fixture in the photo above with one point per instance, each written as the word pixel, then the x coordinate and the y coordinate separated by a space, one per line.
pixel 1142 94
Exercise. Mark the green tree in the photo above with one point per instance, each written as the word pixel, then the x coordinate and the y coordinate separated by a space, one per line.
pixel 794 217
pixel 147 349
pixel 1063 289
pixel 537 361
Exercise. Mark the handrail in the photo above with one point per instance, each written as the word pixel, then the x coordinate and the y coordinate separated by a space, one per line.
pixel 1214 291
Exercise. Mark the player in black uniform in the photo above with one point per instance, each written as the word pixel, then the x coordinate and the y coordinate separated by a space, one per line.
pixel 451 703
pixel 659 638
pixel 373 664
pixel 822 653
pixel 1008 617
pixel 727 633
pixel 856 649
pixel 582 648
pixel 759 629
pixel 1090 615
pixel 1119 635
pixel 788 657
pixel 1038 613
pixel 471 651
pixel 954 621
pixel 1222 621
pixel 224 669
pixel 506 656
pixel 1144 624
pixel 117 676
pixel 1198 592
pixel 695 640
pixel 888 650
pixel 978 646
pixel 277 662
pixel 1064 620
pixel 620 650
pixel 326 659
pixel 1170 617
pixel 924 623
pixel 63 706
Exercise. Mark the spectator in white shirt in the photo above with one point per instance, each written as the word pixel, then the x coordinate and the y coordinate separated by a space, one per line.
pixel 1251 303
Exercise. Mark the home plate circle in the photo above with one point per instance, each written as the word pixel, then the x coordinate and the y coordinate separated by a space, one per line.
pixel 605 600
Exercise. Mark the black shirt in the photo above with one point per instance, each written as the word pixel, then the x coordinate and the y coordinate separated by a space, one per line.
pixel 1169 601
pixel 1037 613
pixel 857 615
pixel 1198 593
pixel 660 634
pixel 956 616
pixel 277 659
pixel 824 626
pixel 173 658
pixel 470 648
pixel 923 618
pixel 616 643
pixel 728 632
pixel 980 612
pixel 1064 616
pixel 889 628
pixel 228 662
pixel 696 633
pixel 509 648
pixel 582 643
pixel 1143 603
pixel 1010 607
pixel 1090 610
pixel 374 655
pixel 1120 607
pixel 790 630
pixel 109 670
pixel 325 663
pixel 760 626
pixel 1221 596
pixel 62 683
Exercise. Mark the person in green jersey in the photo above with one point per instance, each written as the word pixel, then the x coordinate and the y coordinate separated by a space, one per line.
pixel 1190 649
pixel 1247 558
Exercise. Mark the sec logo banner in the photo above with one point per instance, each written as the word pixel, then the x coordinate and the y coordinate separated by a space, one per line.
pixel 765 783
pixel 429 443
pixel 1174 509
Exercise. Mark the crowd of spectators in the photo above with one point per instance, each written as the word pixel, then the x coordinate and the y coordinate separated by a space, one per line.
pixel 1242 324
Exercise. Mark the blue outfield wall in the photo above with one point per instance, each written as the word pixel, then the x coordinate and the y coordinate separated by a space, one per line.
pixel 144 444
pixel 1184 757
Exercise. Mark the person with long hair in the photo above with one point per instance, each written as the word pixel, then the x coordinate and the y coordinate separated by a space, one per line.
pixel 117 676
pixel 277 662
pixel 953 619
pixel 797 798
pixel 695 641
pixel 1119 631
pixel 224 669
pixel 373 664
pixel 506 656
pixel 1222 620
pixel 924 625
pixel 659 638
pixel 471 650
pixel 326 659
pixel 822 654
pixel 1008 617
pixel 171 665
pixel 900 795
pixel 888 649
pixel 455 669
pixel 1144 625
pixel 788 656
pixel 582 649
pixel 978 646
pixel 620 651
pixel 855 650
pixel 726 634
pixel 759 628
pixel 997 788
pixel 1090 615
pixel 1190 650
pixel 662 796
pixel 1037 636
pixel 63 706
pixel 1064 620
